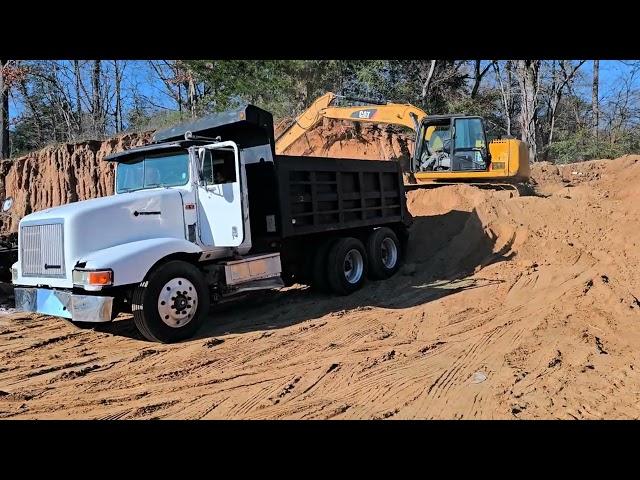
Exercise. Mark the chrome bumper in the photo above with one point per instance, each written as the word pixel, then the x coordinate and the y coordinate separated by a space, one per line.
pixel 59 303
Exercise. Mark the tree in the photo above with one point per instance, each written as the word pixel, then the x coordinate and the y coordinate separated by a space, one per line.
pixel 478 75
pixel 595 104
pixel 4 110
pixel 96 103
pixel 528 78
pixel 562 74
pixel 118 72
pixel 505 90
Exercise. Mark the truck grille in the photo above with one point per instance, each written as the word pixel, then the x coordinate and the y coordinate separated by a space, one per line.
pixel 42 250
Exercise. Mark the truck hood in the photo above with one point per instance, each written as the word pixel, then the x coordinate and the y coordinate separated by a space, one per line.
pixel 126 201
pixel 105 222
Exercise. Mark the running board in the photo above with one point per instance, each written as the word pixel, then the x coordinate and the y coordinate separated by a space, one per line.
pixel 264 284
pixel 252 268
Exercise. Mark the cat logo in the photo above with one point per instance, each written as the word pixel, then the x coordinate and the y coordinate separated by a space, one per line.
pixel 364 114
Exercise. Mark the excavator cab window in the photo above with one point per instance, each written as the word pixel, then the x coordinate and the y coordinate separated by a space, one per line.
pixel 470 146
pixel 436 147
pixel 440 139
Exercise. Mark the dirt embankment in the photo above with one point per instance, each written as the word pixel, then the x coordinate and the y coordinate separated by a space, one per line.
pixel 342 139
pixel 60 174
pixel 507 307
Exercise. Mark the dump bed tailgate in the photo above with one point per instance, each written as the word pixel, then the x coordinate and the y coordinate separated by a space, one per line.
pixel 318 194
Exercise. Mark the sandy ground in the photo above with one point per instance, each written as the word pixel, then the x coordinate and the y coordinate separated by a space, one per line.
pixel 524 307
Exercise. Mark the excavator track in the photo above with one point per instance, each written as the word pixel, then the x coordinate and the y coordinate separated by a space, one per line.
pixel 522 189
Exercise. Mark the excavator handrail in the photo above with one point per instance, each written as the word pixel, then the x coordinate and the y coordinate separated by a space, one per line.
pixel 403 114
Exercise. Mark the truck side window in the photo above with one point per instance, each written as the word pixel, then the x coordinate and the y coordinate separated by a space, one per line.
pixel 219 167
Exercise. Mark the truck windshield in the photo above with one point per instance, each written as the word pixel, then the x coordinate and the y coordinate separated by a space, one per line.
pixel 166 170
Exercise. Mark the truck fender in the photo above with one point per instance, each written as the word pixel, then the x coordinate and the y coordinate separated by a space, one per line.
pixel 130 262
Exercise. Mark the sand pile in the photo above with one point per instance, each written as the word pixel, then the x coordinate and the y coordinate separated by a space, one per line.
pixel 508 307
pixel 342 139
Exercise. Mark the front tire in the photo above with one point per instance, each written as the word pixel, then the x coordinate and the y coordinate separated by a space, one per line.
pixel 172 303
pixel 346 266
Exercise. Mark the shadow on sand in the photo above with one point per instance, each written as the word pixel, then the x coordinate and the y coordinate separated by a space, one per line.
pixel 443 252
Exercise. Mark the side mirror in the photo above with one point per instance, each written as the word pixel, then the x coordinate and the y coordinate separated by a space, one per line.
pixel 202 153
pixel 7 204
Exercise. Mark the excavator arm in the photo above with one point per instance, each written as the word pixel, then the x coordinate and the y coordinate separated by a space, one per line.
pixel 390 113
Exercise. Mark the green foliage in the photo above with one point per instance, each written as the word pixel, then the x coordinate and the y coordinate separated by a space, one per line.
pixel 483 105
pixel 582 145
pixel 140 121
pixel 284 87
pixel 55 108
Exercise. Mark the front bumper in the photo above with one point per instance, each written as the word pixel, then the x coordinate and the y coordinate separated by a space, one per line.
pixel 60 303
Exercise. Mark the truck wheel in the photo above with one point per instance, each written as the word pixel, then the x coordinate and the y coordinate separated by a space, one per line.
pixel 172 303
pixel 346 266
pixel 319 279
pixel 383 251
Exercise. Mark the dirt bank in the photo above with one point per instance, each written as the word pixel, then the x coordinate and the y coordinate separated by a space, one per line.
pixel 60 174
pixel 523 307
pixel 342 139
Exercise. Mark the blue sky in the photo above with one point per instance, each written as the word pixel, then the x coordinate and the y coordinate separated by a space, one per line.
pixel 138 73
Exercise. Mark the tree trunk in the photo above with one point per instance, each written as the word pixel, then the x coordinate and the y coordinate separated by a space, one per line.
pixel 118 81
pixel 506 92
pixel 477 78
pixel 427 82
pixel 76 70
pixel 96 103
pixel 528 79
pixel 595 103
pixel 192 95
pixel 4 113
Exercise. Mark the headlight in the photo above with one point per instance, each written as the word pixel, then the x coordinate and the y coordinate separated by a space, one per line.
pixel 92 277
pixel 14 274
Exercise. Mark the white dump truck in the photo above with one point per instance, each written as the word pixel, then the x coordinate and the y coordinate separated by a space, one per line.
pixel 204 212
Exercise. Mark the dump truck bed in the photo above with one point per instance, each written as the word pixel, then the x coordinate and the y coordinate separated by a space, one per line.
pixel 308 195
pixel 323 194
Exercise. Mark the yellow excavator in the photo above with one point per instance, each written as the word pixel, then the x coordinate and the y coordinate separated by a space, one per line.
pixel 448 148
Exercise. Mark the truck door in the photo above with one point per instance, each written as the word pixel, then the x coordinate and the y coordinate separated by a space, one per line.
pixel 220 218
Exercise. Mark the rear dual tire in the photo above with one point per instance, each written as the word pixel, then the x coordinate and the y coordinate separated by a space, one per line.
pixel 346 265
pixel 383 251
pixel 342 265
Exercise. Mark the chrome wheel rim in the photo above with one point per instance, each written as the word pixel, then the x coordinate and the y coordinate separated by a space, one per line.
pixel 353 266
pixel 177 302
pixel 389 253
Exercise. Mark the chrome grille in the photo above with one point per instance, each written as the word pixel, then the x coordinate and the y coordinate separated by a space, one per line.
pixel 42 250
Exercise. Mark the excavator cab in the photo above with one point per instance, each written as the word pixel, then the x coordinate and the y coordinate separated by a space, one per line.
pixel 450 143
